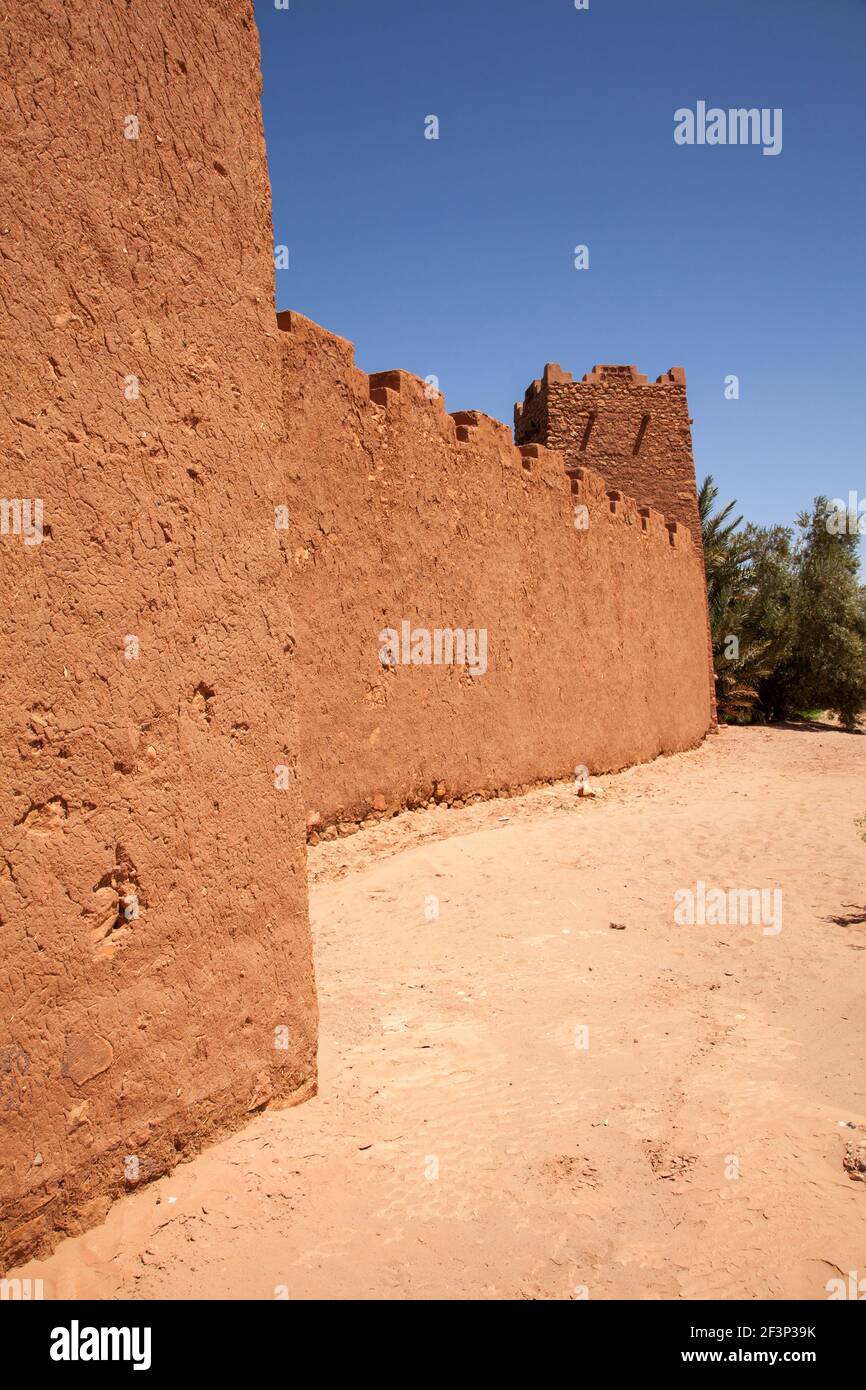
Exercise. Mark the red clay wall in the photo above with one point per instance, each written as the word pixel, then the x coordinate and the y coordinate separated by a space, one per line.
pixel 150 778
pixel 398 511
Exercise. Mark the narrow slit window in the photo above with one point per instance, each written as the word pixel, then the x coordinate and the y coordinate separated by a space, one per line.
pixel 642 428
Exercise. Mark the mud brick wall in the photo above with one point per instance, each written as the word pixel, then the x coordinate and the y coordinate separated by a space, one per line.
pixel 398 511
pixel 155 970
pixel 636 433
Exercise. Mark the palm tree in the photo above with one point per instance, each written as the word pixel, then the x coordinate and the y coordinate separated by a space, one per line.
pixel 741 656
pixel 724 555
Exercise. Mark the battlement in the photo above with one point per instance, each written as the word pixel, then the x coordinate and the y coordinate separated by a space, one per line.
pixel 636 431
pixel 408 402
pixel 602 374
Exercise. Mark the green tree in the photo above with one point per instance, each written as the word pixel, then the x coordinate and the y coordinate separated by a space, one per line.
pixel 743 651
pixel 771 608
pixel 787 614
pixel 826 667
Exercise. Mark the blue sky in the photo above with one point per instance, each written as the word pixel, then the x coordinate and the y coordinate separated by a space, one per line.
pixel 455 256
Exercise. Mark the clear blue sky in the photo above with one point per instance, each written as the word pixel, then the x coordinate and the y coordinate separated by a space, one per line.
pixel 455 257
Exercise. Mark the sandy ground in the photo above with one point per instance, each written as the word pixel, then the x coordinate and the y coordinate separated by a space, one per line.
pixel 463 1146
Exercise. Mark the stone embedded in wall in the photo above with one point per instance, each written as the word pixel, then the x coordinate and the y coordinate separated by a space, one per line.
pixel 156 979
